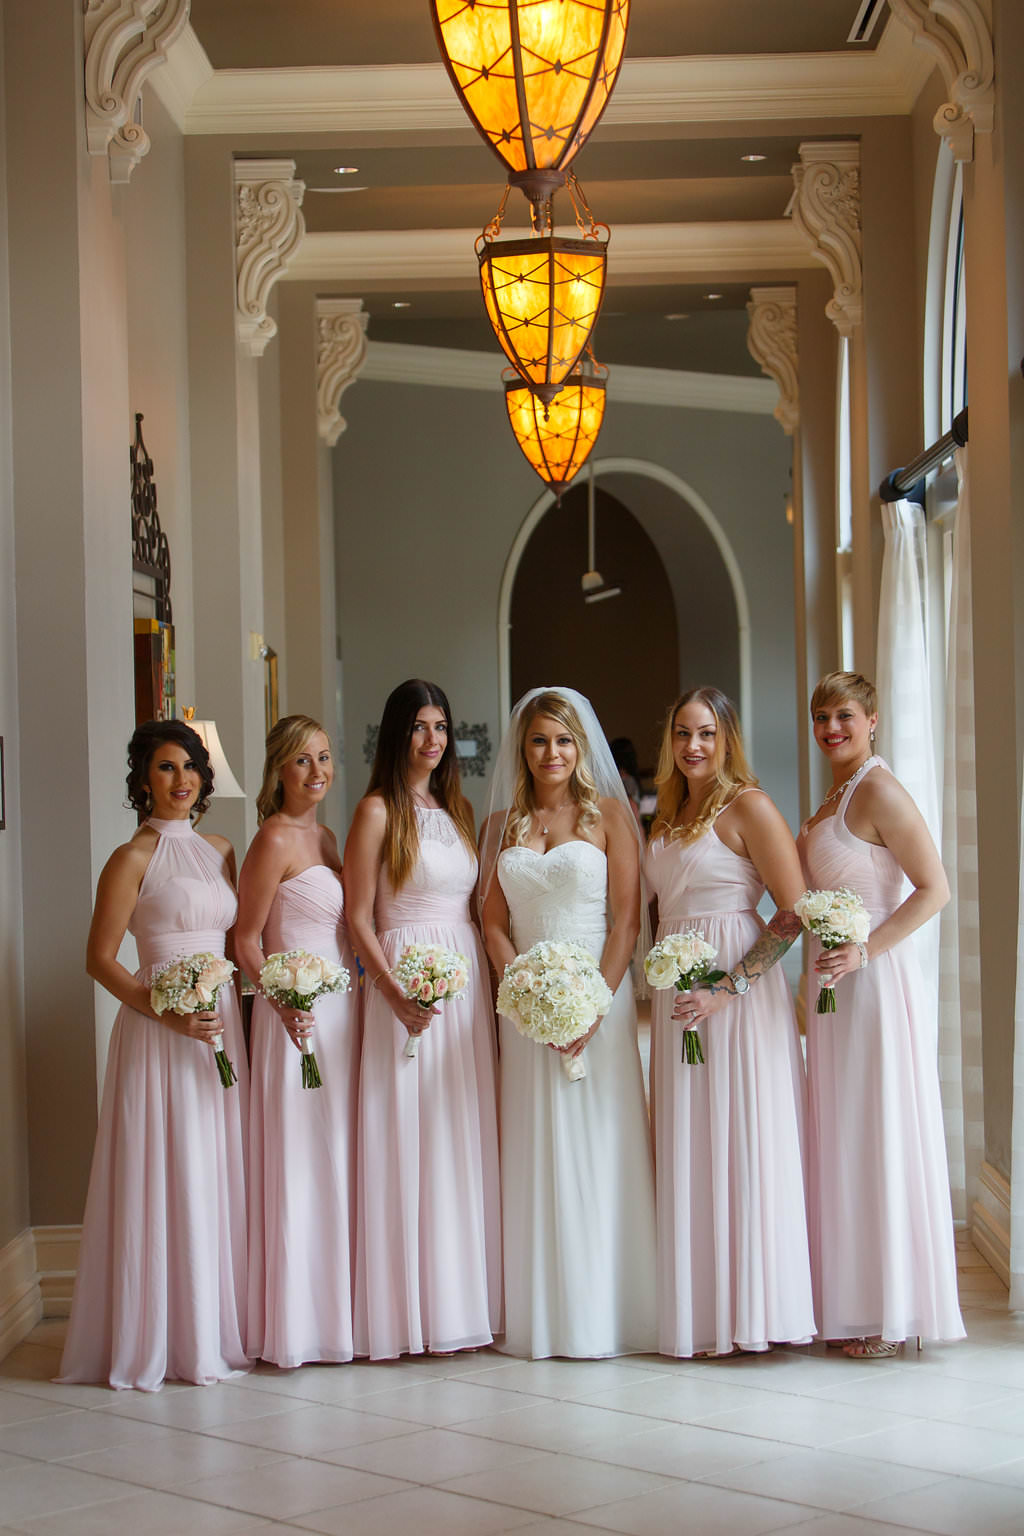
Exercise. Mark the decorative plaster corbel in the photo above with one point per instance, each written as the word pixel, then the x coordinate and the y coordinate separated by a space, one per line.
pixel 268 229
pixel 771 342
pixel 825 208
pixel 957 32
pixel 125 40
pixel 340 355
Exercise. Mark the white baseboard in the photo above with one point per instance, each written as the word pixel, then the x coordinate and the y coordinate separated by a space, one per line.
pixel 21 1302
pixel 990 1221
pixel 56 1263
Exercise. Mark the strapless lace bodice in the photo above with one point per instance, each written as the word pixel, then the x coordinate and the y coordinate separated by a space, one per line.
pixel 561 894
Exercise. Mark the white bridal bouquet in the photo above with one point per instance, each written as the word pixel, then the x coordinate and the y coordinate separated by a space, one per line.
pixel 834 917
pixel 191 984
pixel 552 994
pixel 430 974
pixel 681 960
pixel 295 979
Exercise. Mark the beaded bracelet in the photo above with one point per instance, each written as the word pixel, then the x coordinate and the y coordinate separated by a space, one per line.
pixel 863 954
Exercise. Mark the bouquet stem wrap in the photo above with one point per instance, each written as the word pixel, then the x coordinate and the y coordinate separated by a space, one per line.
pixel 191 984
pixel 835 918
pixel 681 960
pixel 429 974
pixel 295 979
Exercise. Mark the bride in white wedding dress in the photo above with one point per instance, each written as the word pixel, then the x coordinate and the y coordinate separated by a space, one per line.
pixel 561 860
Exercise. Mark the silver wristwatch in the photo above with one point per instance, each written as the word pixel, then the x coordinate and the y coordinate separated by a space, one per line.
pixel 741 984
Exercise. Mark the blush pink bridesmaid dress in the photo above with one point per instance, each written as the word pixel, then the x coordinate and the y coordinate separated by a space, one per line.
pixel 303 1146
pixel 160 1290
pixel 881 1223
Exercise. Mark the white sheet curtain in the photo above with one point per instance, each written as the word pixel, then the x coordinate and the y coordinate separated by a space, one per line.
pixel 960 1066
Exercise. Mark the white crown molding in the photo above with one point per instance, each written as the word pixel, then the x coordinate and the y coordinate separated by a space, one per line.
pixel 957 34
pixel 187 70
pixel 268 229
pixel 771 342
pixel 340 355
pixel 125 40
pixel 714 249
pixel 390 362
pixel 419 98
pixel 826 210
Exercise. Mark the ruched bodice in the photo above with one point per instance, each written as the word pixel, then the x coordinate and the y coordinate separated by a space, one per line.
pixel 185 901
pixel 560 894
pixel 833 856
pixel 308 912
pixel 439 887
pixel 700 879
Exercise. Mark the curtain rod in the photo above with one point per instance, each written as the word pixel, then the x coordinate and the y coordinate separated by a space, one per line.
pixel 910 480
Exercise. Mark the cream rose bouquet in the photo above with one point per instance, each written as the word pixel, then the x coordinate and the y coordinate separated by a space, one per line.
pixel 552 994
pixel 191 984
pixel 681 960
pixel 835 918
pixel 430 974
pixel 295 979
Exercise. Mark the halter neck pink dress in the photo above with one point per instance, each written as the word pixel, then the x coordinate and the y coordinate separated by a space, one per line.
pixel 429 1245
pixel 733 1261
pixel 880 1217
pixel 160 1290
pixel 302 1150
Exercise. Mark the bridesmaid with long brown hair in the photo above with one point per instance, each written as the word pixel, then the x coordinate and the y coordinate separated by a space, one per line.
pixel 429 1248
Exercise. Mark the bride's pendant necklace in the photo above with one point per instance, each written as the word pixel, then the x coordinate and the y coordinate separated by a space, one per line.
pixel 844 785
pixel 555 811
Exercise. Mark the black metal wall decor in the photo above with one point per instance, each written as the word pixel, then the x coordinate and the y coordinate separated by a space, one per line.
pixel 151 555
pixel 472 743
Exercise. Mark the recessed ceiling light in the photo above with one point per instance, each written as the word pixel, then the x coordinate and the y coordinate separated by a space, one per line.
pixel 401 304
pixel 677 316
pixel 753 159
pixel 346 170
pixel 714 295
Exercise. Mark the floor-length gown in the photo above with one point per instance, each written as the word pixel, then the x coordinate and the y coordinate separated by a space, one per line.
pixel 880 1217
pixel 302 1157
pixel 733 1260
pixel 429 1246
pixel 577 1180
pixel 160 1290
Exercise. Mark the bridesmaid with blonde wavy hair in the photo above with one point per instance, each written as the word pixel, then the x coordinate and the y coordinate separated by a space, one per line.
pixel 302 1142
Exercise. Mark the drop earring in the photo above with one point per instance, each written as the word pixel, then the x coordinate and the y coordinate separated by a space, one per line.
pixel 871 739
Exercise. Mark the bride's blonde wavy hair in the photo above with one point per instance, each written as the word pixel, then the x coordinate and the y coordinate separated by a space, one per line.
pixel 733 772
pixel 582 788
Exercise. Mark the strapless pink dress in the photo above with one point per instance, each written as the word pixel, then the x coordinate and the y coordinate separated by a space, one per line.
pixel 733 1261
pixel 303 1146
pixel 429 1268
pixel 880 1214
pixel 160 1290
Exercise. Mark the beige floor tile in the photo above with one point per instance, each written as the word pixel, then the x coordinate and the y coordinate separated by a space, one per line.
pixel 681 1398
pixel 43 1489
pixel 427 1512
pixel 200 1408
pixel 840 1525
pixel 693 1451
pixel 566 1378
pixel 291 1487
pixel 16 1408
pixel 956 1506
pixel 919 1392
pixel 823 1479
pixel 440 1403
pixel 945 1448
pixel 71 1433
pixel 173 1461
pixel 697 1508
pixel 577 1428
pixel 559 1485
pixel 143 1514
pixel 431 1455
pixel 311 1429
pixel 805 1420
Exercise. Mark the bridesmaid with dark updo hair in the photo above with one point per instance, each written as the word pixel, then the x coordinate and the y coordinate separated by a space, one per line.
pixel 160 1291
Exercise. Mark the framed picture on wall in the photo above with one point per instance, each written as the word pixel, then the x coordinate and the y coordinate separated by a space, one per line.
pixel 3 790
pixel 271 707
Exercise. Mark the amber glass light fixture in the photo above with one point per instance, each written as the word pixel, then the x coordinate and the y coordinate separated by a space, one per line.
pixel 556 440
pixel 533 75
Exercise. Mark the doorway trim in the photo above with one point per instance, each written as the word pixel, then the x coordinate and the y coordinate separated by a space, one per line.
pixel 652 471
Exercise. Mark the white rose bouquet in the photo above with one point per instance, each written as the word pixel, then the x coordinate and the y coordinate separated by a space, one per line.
pixel 835 918
pixel 552 994
pixel 191 984
pixel 430 974
pixel 295 979
pixel 681 960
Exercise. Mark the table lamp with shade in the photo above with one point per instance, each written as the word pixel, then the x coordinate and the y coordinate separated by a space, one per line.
pixel 226 786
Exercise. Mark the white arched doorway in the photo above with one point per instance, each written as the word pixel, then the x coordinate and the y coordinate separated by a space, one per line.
pixel 679 487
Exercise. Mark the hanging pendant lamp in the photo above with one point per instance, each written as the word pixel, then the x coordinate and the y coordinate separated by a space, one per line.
pixel 534 76
pixel 543 293
pixel 556 440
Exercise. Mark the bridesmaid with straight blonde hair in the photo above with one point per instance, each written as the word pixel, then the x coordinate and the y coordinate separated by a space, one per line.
pixel 302 1141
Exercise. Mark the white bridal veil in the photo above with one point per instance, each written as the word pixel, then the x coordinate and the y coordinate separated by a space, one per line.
pixel 603 771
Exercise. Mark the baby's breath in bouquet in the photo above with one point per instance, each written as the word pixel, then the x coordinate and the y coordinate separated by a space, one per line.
pixel 681 960
pixel 835 918
pixel 430 974
pixel 191 984
pixel 295 979
pixel 552 994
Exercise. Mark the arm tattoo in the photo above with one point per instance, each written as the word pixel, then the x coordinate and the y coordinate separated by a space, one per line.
pixel 780 934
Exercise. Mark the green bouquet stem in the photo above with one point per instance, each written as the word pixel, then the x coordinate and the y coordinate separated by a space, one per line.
pixel 225 1069
pixel 310 1070
pixel 826 995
